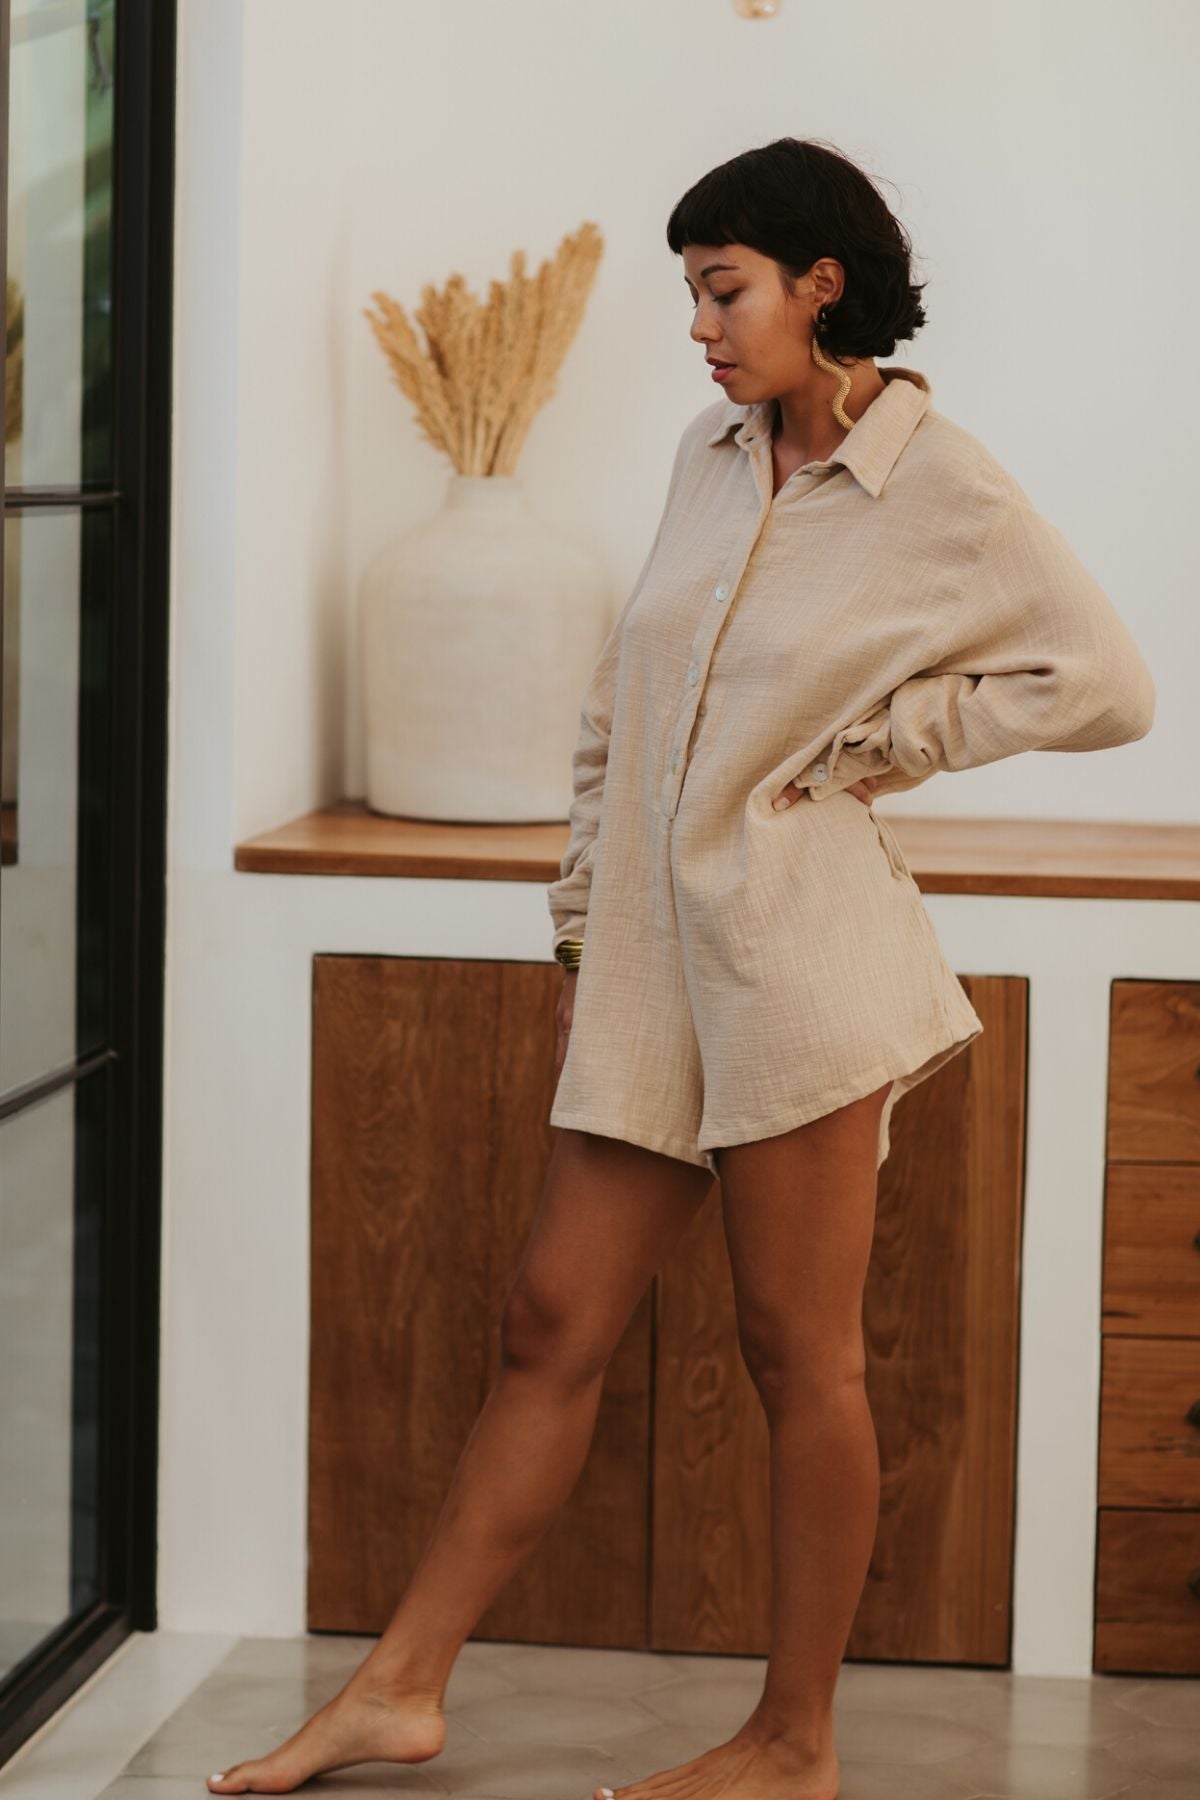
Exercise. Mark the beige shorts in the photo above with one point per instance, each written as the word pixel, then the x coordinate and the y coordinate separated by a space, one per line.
pixel 682 1043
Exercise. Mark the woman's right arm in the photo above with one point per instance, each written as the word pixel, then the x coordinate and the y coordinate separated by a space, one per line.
pixel 567 897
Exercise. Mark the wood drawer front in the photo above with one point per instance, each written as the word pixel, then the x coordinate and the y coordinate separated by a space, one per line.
pixel 1154 1072
pixel 1148 1593
pixel 1152 1250
pixel 1149 1449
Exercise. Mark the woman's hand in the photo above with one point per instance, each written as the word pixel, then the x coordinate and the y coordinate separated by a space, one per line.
pixel 862 790
pixel 562 1017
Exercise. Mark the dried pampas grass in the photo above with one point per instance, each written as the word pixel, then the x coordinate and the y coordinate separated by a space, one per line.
pixel 488 368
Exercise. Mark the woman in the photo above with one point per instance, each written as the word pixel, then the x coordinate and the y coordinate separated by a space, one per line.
pixel 845 595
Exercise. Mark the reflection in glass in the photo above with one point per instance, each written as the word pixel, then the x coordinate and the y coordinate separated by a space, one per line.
pixel 54 914
pixel 59 325
pixel 52 1163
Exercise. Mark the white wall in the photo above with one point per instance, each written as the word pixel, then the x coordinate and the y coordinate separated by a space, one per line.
pixel 326 152
pixel 1045 195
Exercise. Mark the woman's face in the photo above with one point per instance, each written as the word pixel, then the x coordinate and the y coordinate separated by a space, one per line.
pixel 744 317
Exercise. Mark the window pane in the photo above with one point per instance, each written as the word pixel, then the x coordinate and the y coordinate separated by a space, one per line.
pixel 58 404
pixel 54 913
pixel 52 1157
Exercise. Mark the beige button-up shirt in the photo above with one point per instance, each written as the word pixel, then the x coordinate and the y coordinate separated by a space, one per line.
pixel 895 611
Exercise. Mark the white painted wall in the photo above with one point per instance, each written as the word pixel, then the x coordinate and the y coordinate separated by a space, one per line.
pixel 324 153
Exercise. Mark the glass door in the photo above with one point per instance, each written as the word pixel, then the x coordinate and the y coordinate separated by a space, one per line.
pixel 87 90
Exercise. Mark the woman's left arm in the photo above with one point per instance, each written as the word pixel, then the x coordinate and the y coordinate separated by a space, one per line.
pixel 1040 659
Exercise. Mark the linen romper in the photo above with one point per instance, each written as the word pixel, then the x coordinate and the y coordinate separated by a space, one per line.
pixel 895 611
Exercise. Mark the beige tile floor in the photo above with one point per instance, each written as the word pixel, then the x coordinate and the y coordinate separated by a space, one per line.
pixel 526 1722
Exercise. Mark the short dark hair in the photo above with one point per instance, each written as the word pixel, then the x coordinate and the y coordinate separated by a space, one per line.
pixel 796 200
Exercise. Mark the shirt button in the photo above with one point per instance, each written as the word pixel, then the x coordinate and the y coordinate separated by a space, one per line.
pixel 692 674
pixel 820 772
pixel 674 762
pixel 721 591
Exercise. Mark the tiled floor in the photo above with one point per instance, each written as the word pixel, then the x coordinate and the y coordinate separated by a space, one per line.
pixel 526 1722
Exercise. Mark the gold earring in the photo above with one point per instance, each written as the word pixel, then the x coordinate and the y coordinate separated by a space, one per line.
pixel 823 362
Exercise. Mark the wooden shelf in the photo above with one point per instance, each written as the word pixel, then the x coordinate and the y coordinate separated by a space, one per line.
pixel 1054 858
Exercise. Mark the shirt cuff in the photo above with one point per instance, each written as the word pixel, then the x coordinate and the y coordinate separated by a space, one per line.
pixel 860 749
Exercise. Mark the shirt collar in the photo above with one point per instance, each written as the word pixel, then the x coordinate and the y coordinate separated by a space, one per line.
pixel 873 444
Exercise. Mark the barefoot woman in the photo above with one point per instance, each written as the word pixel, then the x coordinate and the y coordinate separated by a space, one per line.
pixel 846 594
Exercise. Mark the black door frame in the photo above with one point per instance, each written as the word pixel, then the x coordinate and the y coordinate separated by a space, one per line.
pixel 137 501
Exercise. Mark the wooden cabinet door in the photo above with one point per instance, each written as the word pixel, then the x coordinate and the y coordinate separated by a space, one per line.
pixel 431 1090
pixel 941 1326
pixel 432 1086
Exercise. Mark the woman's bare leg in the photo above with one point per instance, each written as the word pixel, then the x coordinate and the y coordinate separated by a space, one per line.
pixel 609 1214
pixel 799 1212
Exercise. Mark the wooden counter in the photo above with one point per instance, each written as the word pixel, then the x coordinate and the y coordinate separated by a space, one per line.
pixel 1057 858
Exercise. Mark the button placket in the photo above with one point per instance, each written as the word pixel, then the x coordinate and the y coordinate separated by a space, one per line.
pixel 721 591
pixel 702 646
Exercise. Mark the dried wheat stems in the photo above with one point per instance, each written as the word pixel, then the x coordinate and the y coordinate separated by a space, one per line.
pixel 487 368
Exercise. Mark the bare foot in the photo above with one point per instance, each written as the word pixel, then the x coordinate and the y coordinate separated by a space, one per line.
pixel 363 1723
pixel 748 1767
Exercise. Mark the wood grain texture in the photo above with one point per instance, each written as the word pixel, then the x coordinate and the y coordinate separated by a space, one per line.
pixel 1147 1593
pixel 1152 1250
pixel 941 1329
pixel 431 1089
pixel 1060 858
pixel 1154 1072
pixel 1148 1560
pixel 1149 1446
pixel 710 1581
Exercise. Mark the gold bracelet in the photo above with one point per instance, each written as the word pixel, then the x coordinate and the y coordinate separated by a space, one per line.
pixel 568 952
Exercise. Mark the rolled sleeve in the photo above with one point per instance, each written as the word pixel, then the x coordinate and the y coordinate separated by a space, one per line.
pixel 1040 660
